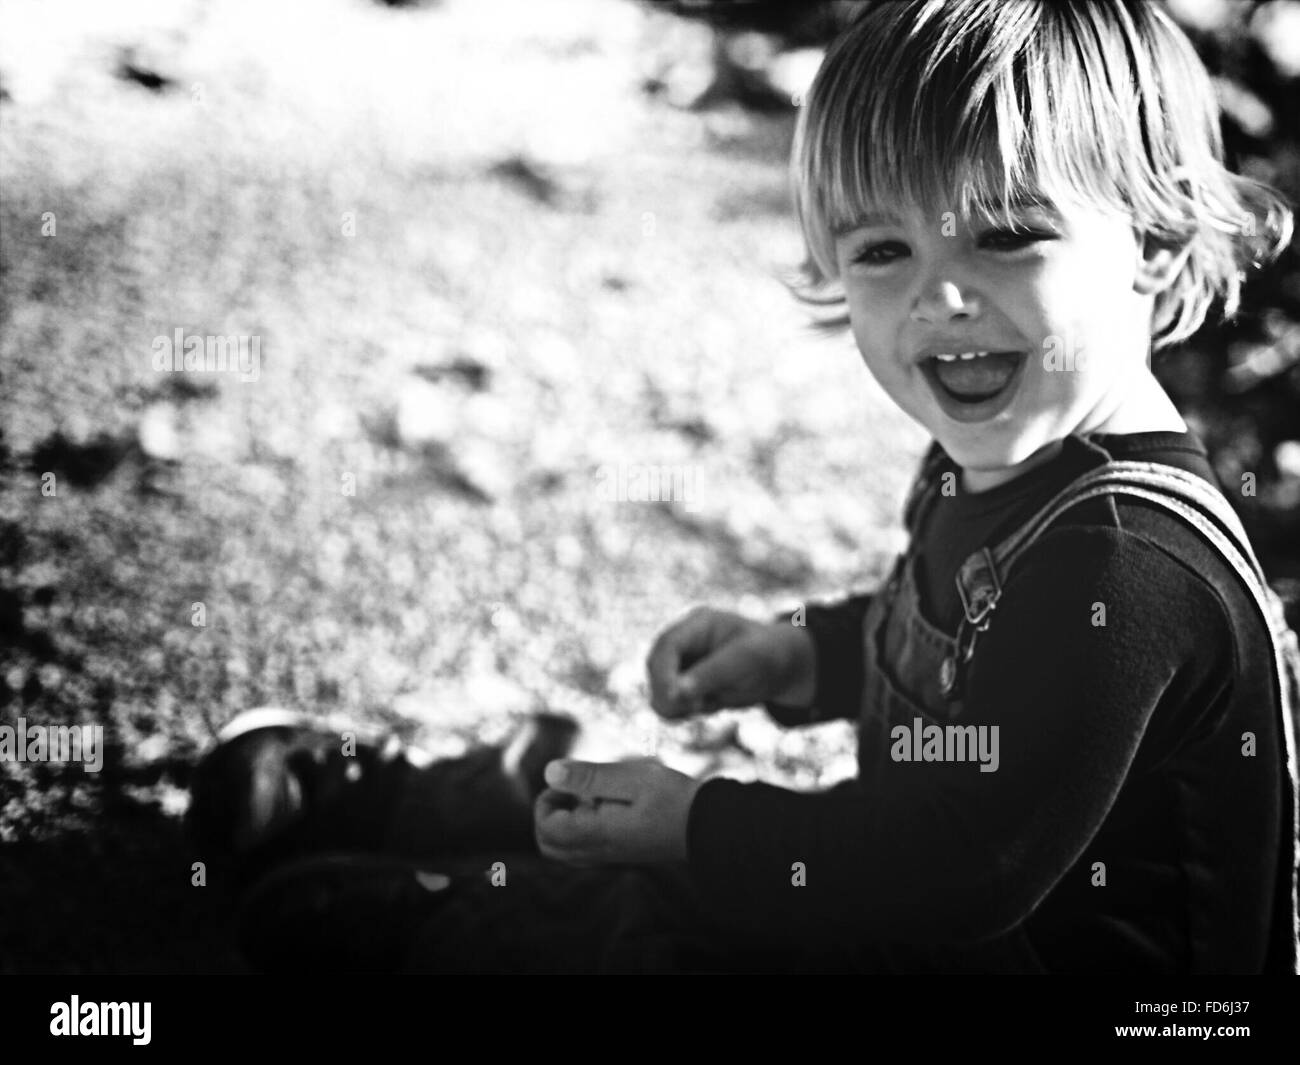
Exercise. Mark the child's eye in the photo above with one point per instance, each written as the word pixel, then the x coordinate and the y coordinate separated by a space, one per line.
pixel 878 254
pixel 1014 239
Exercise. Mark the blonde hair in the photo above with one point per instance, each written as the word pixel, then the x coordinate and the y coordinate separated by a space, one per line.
pixel 974 104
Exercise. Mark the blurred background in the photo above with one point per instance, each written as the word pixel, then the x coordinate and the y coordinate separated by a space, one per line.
pixel 497 255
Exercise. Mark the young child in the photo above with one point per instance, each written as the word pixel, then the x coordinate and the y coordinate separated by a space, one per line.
pixel 1018 202
pixel 1076 751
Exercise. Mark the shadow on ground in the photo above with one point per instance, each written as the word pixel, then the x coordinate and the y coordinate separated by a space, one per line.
pixel 115 898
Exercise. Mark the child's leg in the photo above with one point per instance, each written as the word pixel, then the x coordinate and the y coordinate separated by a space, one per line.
pixel 518 913
pixel 544 917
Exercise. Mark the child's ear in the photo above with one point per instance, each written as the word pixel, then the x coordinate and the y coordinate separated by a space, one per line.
pixel 1159 262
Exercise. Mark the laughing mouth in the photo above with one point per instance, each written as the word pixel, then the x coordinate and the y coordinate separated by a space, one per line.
pixel 972 376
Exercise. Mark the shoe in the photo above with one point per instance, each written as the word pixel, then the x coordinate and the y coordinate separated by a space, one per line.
pixel 279 779
pixel 280 784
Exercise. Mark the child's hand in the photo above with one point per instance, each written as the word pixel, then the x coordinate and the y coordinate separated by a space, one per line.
pixel 712 659
pixel 613 813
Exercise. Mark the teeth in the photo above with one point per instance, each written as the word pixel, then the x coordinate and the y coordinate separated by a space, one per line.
pixel 964 356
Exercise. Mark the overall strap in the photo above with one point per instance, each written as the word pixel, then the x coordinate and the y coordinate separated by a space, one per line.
pixel 1185 494
pixel 1186 488
pixel 1204 508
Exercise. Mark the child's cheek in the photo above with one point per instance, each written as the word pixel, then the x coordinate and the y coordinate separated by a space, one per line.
pixel 865 317
pixel 1058 306
pixel 878 308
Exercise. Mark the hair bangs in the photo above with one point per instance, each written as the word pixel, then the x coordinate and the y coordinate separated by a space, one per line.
pixel 974 116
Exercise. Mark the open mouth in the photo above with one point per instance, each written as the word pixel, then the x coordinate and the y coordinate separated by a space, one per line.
pixel 973 385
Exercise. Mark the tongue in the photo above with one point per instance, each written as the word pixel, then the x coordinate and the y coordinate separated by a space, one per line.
pixel 982 376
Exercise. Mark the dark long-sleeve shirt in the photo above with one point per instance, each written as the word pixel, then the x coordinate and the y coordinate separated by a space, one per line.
pixel 1125 828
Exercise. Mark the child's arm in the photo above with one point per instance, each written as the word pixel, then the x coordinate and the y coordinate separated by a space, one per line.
pixel 944 852
pixel 711 659
pixel 637 811
pixel 835 632
pixel 803 673
pixel 615 813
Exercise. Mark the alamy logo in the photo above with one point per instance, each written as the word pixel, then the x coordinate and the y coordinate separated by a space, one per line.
pixel 639 483
pixel 208 354
pixel 102 1018
pixel 951 743
pixel 53 743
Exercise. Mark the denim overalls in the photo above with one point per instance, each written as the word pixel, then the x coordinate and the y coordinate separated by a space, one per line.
pixel 913 669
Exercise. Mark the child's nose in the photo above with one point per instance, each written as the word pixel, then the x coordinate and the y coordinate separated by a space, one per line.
pixel 944 300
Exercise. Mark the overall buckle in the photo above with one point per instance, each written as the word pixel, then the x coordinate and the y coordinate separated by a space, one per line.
pixel 979 588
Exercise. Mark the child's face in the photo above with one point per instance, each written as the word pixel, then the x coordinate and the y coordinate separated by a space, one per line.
pixel 1054 301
